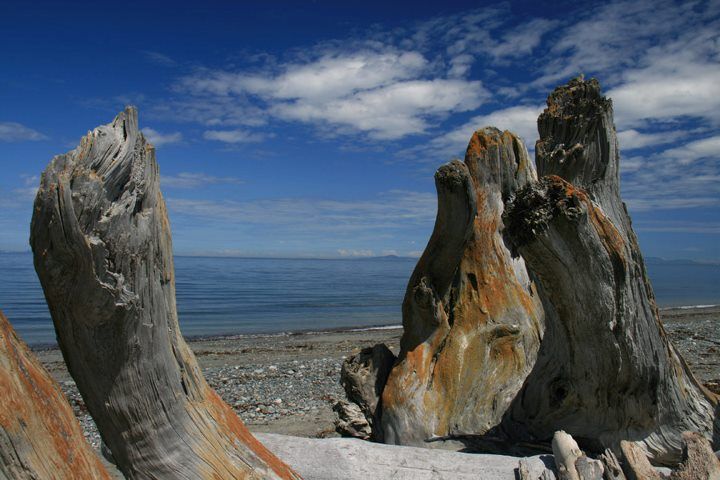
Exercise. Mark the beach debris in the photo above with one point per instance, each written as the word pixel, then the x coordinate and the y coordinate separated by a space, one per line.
pixel 611 464
pixel 351 421
pixel 606 371
pixel 103 252
pixel 635 462
pixel 363 378
pixel 39 434
pixel 699 461
pixel 472 316
pixel 571 462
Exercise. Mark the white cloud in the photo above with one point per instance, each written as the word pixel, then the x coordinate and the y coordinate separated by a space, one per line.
pixel 393 111
pixel 613 37
pixel 688 153
pixel 522 40
pixel 388 211
pixel 386 94
pixel 25 193
pixel 159 58
pixel 159 139
pixel 521 120
pixel 632 139
pixel 196 180
pixel 355 253
pixel 233 136
pixel 687 176
pixel 649 94
pixel 15 132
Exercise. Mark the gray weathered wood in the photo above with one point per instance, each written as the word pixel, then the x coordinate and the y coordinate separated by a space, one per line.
pixel 102 249
pixel 363 377
pixel 612 467
pixel 606 370
pixel 471 315
pixel 39 434
pixel 353 459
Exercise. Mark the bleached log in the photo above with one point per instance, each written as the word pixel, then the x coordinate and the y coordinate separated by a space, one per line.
pixel 39 434
pixel 102 249
pixel 571 462
pixel 566 452
pixel 472 317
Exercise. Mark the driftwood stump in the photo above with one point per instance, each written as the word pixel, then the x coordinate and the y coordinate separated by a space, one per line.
pixel 606 371
pixel 39 434
pixel 472 317
pixel 102 249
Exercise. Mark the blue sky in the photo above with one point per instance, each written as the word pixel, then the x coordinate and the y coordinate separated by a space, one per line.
pixel 313 128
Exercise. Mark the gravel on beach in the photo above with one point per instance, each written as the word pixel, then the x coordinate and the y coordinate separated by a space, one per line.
pixel 288 383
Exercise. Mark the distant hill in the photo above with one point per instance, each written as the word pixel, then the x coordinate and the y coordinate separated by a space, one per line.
pixel 664 261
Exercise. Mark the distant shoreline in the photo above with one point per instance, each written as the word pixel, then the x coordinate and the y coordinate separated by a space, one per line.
pixel 681 309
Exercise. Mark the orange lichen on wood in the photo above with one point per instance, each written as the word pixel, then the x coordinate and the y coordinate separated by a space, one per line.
pixel 37 422
pixel 460 363
pixel 228 421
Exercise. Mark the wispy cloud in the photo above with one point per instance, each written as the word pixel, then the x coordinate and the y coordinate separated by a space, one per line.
pixel 196 180
pixel 159 139
pixel 521 120
pixel 234 136
pixel 390 211
pixel 703 148
pixel 386 94
pixel 687 176
pixel 344 252
pixel 16 132
pixel 632 139
pixel 159 58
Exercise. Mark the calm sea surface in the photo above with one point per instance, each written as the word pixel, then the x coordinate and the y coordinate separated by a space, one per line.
pixel 242 295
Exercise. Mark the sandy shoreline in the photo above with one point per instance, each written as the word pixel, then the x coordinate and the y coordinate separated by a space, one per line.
pixel 287 383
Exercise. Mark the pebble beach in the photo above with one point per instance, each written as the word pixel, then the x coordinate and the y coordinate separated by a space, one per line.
pixel 288 383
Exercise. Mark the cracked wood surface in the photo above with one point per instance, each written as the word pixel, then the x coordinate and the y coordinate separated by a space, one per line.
pixel 39 434
pixel 102 249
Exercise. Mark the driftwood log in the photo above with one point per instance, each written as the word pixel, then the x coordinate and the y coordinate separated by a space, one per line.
pixel 571 462
pixel 605 371
pixel 102 249
pixel 363 377
pixel 472 317
pixel 39 434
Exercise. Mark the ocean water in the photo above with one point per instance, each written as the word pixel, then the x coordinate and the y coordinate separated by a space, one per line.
pixel 219 296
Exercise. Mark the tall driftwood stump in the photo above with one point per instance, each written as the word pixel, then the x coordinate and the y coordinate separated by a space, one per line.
pixel 102 249
pixel 39 434
pixel 605 371
pixel 472 317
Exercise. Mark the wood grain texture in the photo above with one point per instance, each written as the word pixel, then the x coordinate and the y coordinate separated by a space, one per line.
pixel 103 251
pixel 40 438
pixel 472 317
pixel 606 371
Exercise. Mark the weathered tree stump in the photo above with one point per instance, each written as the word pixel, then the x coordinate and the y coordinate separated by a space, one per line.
pixel 102 249
pixel 39 434
pixel 472 317
pixel 605 371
